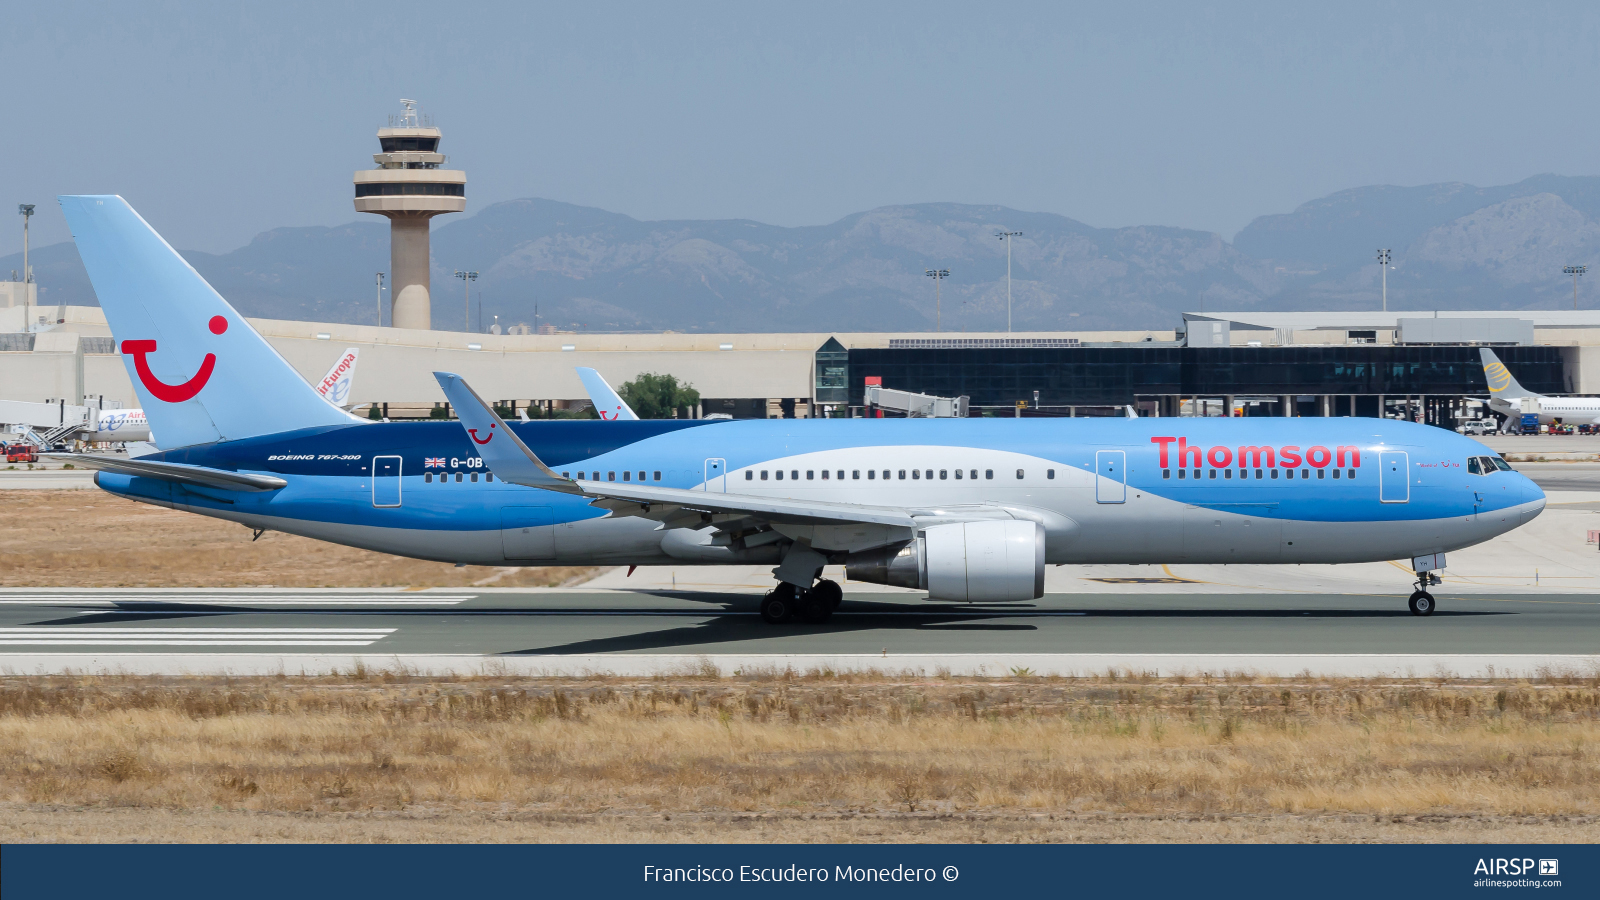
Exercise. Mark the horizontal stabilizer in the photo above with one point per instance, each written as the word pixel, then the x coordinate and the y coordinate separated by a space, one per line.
pixel 175 472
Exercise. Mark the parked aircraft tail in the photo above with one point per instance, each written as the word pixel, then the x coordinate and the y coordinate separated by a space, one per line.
pixel 1502 384
pixel 202 374
pixel 607 403
pixel 335 386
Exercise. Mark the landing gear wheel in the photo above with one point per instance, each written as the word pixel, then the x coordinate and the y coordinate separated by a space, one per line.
pixel 1421 604
pixel 830 592
pixel 814 607
pixel 778 605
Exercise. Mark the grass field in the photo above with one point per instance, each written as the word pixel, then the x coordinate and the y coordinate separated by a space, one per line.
pixel 781 757
pixel 86 539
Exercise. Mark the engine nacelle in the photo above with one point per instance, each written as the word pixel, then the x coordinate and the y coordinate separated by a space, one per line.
pixel 995 560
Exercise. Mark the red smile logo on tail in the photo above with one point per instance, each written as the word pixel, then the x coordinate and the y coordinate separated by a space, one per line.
pixel 173 393
pixel 487 439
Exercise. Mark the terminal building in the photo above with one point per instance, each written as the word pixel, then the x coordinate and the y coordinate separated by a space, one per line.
pixel 1313 364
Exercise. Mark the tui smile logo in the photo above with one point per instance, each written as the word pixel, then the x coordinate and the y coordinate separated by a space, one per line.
pixel 173 393
pixel 486 439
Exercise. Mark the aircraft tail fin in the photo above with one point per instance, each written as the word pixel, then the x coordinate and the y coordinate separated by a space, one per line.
pixel 606 401
pixel 201 372
pixel 1502 384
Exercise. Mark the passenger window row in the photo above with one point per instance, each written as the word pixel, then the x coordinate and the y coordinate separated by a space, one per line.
pixel 1348 474
pixel 444 477
pixel 888 474
pixel 612 475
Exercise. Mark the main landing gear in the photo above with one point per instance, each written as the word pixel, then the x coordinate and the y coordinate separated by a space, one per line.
pixel 786 603
pixel 1421 602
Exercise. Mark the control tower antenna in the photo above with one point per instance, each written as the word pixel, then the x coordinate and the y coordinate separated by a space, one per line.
pixel 409 188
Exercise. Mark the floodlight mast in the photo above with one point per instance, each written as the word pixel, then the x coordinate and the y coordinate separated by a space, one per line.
pixel 1574 271
pixel 380 299
pixel 1383 266
pixel 1007 236
pixel 937 275
pixel 467 278
pixel 26 211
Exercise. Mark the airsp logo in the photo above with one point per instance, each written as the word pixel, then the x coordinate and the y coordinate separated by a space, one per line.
pixel 1514 867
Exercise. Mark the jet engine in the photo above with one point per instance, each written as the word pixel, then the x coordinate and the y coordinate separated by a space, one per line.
pixel 993 560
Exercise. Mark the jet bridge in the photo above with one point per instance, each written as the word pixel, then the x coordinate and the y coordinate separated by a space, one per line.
pixel 44 423
pixel 915 406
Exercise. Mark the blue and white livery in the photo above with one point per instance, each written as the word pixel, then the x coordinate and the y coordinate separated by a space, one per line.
pixel 967 509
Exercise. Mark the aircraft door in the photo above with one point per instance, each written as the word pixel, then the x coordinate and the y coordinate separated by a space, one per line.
pixel 528 532
pixel 1111 485
pixel 716 476
pixel 386 481
pixel 1394 476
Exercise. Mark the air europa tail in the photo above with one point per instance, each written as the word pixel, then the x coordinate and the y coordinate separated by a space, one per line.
pixel 1501 382
pixel 202 374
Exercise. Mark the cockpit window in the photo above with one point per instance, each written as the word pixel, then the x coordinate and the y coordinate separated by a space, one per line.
pixel 1472 466
pixel 1501 464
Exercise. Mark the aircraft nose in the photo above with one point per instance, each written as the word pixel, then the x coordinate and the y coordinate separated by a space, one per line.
pixel 1533 499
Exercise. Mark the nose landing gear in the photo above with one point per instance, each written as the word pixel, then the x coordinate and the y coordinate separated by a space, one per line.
pixel 1422 602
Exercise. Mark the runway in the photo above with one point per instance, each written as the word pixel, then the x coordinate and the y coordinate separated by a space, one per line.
pixel 646 632
pixel 1526 602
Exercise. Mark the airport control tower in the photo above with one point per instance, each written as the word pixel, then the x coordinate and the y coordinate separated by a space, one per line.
pixel 409 187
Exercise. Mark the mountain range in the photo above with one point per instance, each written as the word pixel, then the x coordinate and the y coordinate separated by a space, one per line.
pixel 1455 246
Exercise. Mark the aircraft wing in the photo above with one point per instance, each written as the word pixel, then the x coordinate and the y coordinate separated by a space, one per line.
pixel 607 402
pixel 180 473
pixel 512 461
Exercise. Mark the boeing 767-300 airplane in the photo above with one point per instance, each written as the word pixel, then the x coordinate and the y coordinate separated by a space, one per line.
pixel 966 509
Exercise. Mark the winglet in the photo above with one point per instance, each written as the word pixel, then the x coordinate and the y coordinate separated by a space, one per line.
pixel 504 453
pixel 607 402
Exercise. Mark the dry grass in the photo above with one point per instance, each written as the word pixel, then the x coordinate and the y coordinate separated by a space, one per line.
pixel 782 757
pixel 87 539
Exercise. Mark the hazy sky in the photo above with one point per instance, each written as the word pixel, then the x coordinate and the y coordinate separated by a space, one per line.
pixel 218 121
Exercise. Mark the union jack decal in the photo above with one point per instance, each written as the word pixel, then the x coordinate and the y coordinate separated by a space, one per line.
pixel 433 462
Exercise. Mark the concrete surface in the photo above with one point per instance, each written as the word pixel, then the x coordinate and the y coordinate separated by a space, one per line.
pixel 576 631
pixel 53 479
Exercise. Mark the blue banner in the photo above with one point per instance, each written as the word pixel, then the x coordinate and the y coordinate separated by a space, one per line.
pixel 344 872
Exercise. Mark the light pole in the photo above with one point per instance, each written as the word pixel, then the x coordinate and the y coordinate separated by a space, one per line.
pixel 1574 271
pixel 1383 264
pixel 937 275
pixel 380 299
pixel 26 209
pixel 467 278
pixel 1007 236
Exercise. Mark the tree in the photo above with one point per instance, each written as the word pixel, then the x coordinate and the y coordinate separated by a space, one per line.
pixel 658 396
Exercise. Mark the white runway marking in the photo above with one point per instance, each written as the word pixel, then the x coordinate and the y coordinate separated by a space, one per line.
pixel 102 599
pixel 81 636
